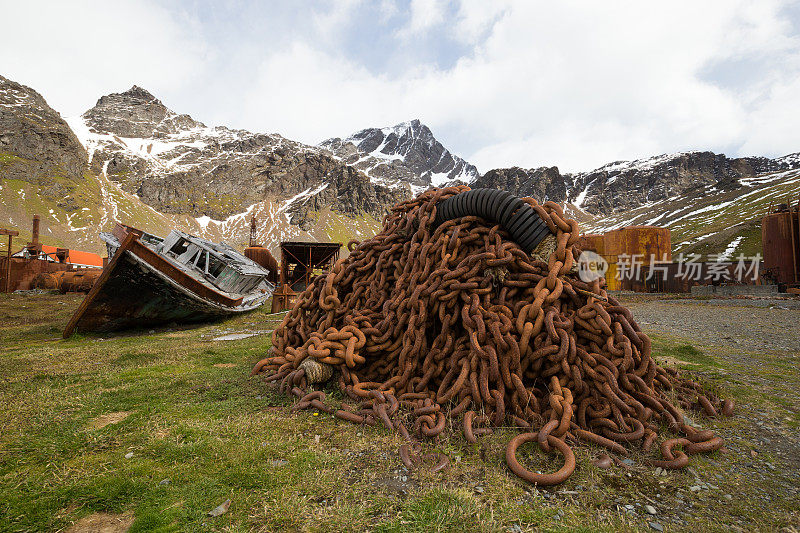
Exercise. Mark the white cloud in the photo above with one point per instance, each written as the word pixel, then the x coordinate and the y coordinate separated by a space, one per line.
pixel 313 96
pixel 772 128
pixel 575 84
pixel 425 14
pixel 73 53
pixel 329 23
pixel 387 9
pixel 475 17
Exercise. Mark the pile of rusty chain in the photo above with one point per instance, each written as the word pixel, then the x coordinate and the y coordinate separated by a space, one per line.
pixel 427 325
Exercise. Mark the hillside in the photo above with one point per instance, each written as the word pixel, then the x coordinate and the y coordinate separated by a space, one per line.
pixel 711 203
pixel 708 219
pixel 132 159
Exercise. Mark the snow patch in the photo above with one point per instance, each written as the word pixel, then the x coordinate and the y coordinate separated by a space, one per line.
pixel 582 195
pixel 638 164
pixel 728 253
pixel 439 179
pixel 205 220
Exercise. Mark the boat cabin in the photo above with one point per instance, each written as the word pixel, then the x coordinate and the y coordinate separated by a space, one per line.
pixel 220 264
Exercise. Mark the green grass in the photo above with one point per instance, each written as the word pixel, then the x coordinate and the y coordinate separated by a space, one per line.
pixel 685 353
pixel 201 434
pixel 8 158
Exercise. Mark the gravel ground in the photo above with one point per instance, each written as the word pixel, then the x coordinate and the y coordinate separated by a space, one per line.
pixel 737 324
pixel 758 351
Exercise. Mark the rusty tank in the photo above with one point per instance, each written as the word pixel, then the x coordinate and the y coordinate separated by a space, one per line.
pixel 78 281
pixel 780 241
pixel 646 242
pixel 47 281
pixel 594 242
pixel 264 258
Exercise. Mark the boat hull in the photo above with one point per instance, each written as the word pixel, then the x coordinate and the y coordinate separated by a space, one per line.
pixel 138 290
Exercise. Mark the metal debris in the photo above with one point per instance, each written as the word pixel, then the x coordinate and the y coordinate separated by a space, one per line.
pixel 220 509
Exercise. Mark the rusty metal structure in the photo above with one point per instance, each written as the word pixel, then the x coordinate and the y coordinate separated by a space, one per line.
pixel 780 240
pixel 253 232
pixel 466 308
pixel 260 255
pixel 66 281
pixel 265 259
pixel 20 270
pixel 300 263
pixel 6 268
pixel 78 281
pixel 646 243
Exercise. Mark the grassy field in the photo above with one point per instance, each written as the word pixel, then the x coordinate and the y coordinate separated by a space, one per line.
pixel 153 429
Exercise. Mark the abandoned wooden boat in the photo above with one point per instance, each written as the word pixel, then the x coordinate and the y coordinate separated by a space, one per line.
pixel 181 278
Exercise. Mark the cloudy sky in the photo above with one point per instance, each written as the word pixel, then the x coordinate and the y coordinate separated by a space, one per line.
pixel 501 83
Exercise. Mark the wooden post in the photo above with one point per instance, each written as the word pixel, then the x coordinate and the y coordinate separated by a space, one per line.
pixel 283 267
pixel 308 268
pixel 11 233
pixel 8 266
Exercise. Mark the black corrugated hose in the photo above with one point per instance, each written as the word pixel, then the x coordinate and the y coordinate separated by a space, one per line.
pixel 517 218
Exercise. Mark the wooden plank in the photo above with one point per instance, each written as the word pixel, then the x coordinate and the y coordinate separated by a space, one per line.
pixel 130 238
pixel 13 233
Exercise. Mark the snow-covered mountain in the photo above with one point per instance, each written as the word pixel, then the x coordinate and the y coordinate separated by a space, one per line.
pixel 133 160
pixel 711 203
pixel 625 185
pixel 721 217
pixel 406 153
pixel 178 165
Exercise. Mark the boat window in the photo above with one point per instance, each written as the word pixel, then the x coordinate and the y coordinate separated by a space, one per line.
pixel 215 266
pixel 200 260
pixel 180 247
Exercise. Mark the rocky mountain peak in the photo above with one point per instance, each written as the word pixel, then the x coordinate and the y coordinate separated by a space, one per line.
pixel 136 113
pixel 140 94
pixel 543 183
pixel 407 152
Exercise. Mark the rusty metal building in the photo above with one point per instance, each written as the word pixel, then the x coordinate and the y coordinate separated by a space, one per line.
pixel 654 270
pixel 20 270
pixel 645 243
pixel 780 241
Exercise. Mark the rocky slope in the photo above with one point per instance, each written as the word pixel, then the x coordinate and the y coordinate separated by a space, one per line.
pixel 709 219
pixel 178 165
pixel 406 153
pixel 36 144
pixel 623 185
pixel 544 183
pixel 132 159
pixel 711 203
pixel 135 161
pixel 626 185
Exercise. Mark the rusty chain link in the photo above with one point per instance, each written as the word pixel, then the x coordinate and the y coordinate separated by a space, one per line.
pixel 457 322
